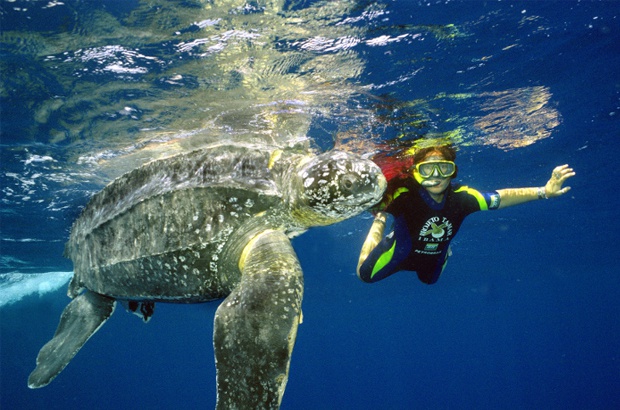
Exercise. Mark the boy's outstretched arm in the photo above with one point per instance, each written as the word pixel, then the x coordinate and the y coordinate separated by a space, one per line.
pixel 553 188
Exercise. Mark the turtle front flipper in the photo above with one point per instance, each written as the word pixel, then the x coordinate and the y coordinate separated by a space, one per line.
pixel 78 322
pixel 256 325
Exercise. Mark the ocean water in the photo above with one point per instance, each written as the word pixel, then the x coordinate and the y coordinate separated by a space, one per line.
pixel 527 313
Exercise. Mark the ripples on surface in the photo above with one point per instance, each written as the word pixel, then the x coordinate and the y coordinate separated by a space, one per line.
pixel 105 83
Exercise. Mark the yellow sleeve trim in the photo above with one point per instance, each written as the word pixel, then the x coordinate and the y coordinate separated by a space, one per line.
pixel 383 260
pixel 388 199
pixel 398 192
pixel 481 201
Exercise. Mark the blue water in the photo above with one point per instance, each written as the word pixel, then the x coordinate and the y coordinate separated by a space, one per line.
pixel 527 314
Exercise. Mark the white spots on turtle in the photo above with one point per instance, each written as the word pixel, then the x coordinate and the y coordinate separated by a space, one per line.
pixel 208 228
pixel 195 218
pixel 213 267
pixel 167 266
pixel 181 258
pixel 237 208
pixel 248 203
pixel 220 218
pixel 234 214
pixel 308 182
pixel 233 200
pixel 226 230
pixel 219 247
pixel 185 267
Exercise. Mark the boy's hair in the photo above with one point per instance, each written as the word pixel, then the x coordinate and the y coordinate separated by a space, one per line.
pixel 447 152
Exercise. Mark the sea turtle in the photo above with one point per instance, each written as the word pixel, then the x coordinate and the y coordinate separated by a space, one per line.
pixel 205 225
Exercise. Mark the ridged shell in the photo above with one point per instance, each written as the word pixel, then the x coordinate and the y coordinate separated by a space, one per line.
pixel 159 230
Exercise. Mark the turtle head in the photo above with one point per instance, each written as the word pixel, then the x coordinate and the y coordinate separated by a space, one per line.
pixel 334 186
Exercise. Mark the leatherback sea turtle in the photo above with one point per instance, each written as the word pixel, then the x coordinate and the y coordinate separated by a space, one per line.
pixel 205 225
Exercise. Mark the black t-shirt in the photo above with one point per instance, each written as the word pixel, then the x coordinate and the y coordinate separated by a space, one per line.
pixel 430 226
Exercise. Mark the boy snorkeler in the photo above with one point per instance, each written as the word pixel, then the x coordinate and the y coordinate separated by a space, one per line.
pixel 428 210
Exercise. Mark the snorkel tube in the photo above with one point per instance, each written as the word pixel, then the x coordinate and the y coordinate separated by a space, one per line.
pixel 429 184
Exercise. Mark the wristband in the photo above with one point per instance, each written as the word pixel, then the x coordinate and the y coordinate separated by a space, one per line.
pixel 542 193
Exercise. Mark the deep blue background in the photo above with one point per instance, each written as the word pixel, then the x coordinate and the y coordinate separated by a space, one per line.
pixel 525 316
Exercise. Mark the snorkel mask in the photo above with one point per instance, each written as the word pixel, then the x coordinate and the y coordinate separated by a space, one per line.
pixel 435 169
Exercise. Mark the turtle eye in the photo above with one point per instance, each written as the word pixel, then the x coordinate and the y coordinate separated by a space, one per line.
pixel 347 182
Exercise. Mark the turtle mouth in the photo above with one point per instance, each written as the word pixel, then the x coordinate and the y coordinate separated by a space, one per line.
pixel 378 189
pixel 368 202
pixel 352 207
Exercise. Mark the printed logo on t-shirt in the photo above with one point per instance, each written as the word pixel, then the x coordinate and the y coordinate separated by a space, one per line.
pixel 436 229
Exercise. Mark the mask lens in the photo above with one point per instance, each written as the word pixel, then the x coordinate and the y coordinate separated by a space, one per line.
pixel 446 168
pixel 426 169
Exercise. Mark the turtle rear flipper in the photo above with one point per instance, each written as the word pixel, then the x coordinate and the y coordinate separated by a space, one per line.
pixel 78 322
pixel 256 326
